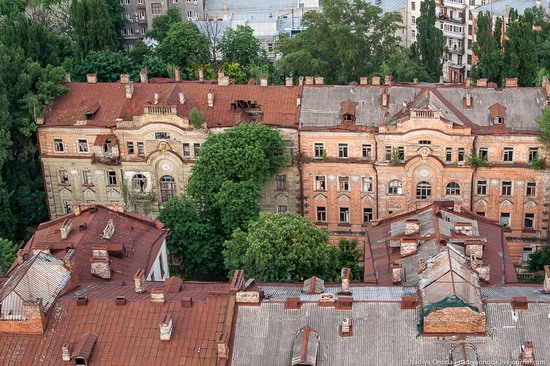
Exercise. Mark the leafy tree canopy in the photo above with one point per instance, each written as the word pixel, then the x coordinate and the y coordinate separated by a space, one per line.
pixel 183 46
pixel 430 43
pixel 8 253
pixel 108 65
pixel 539 259
pixel 162 23
pixel 241 46
pixel 488 48
pixel 544 126
pixel 345 41
pixel 281 247
pixel 348 256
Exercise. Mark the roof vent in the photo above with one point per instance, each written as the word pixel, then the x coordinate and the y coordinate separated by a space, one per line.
pixel 327 299
pixel 292 303
pixel 305 348
pixel 520 303
pixel 83 226
pixel 82 355
pixel 92 111
pixel 166 328
pixel 139 281
pixel 313 285
pixel 344 303
pixel 346 329
pixel 66 228
pixel 409 303
pixel 82 301
pixel 120 300
pixel 187 302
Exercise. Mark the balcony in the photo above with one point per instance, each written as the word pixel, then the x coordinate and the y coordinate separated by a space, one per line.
pixel 106 159
pixel 447 18
pixel 454 35
pixel 459 4
pixel 456 50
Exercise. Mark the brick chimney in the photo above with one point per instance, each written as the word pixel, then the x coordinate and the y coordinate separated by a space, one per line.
pixel 547 279
pixel 177 74
pixel 468 100
pixel 201 74
pixel 166 327
pixel 91 78
pixel 292 303
pixel 363 80
pixel 527 357
pixel 473 248
pixel 309 80
pixel 468 83
pixel 412 227
pixel 223 351
pixel 143 76
pixel 210 99
pixel 66 228
pixel 139 281
pixel 319 80
pixel 181 97
pixel 263 81
pixel 385 99
pixel 346 329
pixel 156 98
pixel 289 81
pixel 326 299
pixel 387 80
pixel 408 247
pixel 376 80
pixel 22 255
pixel 301 81
pixel 222 79
pixel 129 90
pixel 100 262
pixel 345 274
pixel 67 78
pixel 511 82
pixel 464 228
pixel 66 351
pixel 441 81
pixel 157 295
pixel 397 273
pixel 34 316
pixel 124 78
pixel 544 81
pixel 40 248
pixel 237 283
pixel 482 83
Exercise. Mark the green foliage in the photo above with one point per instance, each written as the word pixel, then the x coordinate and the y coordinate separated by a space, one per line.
pixel 544 127
pixel 162 23
pixel 235 71
pixel 538 163
pixel 8 253
pixel 345 41
pixel 430 43
pixel 488 49
pixel 183 46
pixel 539 259
pixel 281 247
pixel 140 52
pixel 155 66
pixel 196 118
pixel 349 256
pixel 94 28
pixel 241 46
pixel 108 65
pixel 193 239
pixel 477 160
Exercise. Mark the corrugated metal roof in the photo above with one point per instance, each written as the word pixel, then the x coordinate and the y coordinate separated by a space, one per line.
pixel 362 293
pixel 383 334
pixel 501 8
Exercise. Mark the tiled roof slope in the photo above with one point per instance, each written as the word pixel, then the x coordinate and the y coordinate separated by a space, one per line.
pixel 142 239
pixel 278 103
pixel 321 105
pixel 383 334
pixel 436 224
pixel 129 334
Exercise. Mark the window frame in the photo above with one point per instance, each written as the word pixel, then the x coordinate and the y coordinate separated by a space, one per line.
pixel 366 151
pixel 452 189
pixel 130 148
pixel 196 149
pixel 368 215
pixel 507 216
pixel 423 190
pixel 343 183
pixel 448 154
pixel 398 188
pixel 109 176
pixel 318 154
pixel 481 186
pixel 58 146
pixel 507 187
pixel 343 215
pixel 367 181
pixel 63 177
pixel 317 183
pixel 343 150
pixel 321 214
pixel 141 149
pixel 508 155
pixel 80 145
pixel 530 219
pixel 531 189
pixel 280 182
pixel 168 188
pixel 87 178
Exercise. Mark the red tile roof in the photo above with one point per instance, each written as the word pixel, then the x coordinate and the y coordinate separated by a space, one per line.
pixel 278 103
pixel 141 238
pixel 129 334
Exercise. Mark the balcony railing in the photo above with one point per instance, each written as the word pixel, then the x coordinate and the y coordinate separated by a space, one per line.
pixel 457 50
pixel 454 3
pixel 450 34
pixel 446 18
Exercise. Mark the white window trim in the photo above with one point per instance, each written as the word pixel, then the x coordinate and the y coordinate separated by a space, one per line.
pixel 78 146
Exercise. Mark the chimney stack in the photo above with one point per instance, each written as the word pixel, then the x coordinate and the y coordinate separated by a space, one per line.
pixel 263 81
pixel 201 74
pixel 210 99
pixel 157 295
pixel 91 78
pixel 547 279
pixel 345 274
pixel 408 247
pixel 482 83
pixel 385 99
pixel 66 228
pixel 544 81
pixel 464 228
pixel 412 227
pixel 66 352
pixel 222 351
pixel 415 81
pixel 124 78
pixel 129 90
pixel 139 281
pixel 376 80
pixel 397 273
pixel 100 262
pixel 34 316
pixel 143 76
pixel 527 356
pixel 157 97
pixel 473 248
pixel 511 82
pixel 309 80
pixel 166 328
pixel 222 79
pixel 67 78
pixel 177 74
pixel 319 80
pixel 301 81
pixel 289 81
pixel 363 80
pixel 181 97
pixel 468 83
pixel 346 328
pixel 468 99
pixel 387 80
pixel 22 255
pixel 441 81
pixel 69 260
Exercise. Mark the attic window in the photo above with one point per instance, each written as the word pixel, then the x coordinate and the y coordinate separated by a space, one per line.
pixel 162 136
pixel 498 120
pixel 347 110
pixel 251 108
pixel 348 117
pixel 92 111
pixel 497 113
pixel 424 142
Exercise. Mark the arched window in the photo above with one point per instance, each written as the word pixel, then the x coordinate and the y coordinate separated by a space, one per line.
pixel 423 191
pixel 395 187
pixel 453 189
pixel 139 182
pixel 167 187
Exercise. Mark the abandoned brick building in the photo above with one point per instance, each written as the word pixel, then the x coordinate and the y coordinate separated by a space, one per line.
pixel 362 152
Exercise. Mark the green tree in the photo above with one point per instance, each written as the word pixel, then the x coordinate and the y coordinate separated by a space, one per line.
pixel 345 41
pixel 196 118
pixel 488 48
pixel 348 256
pixel 241 46
pixel 539 259
pixel 8 253
pixel 93 26
pixel 281 247
pixel 108 65
pixel 430 44
pixel 155 66
pixel 544 127
pixel 162 23
pixel 183 46
pixel 193 240
pixel 521 48
pixel 140 52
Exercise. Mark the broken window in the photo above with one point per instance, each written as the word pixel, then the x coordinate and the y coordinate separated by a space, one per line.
pixel 508 155
pixel 367 215
pixel 58 145
pixel 531 190
pixel 162 136
pixel 63 177
pixel 344 215
pixel 139 182
pixel 320 183
pixel 506 188
pixel 318 149
pixel 395 188
pixel 452 189
pixel 250 108
pixel 367 151
pixel 167 188
pixel 342 151
pixel 186 150
pixel 482 187
pixel 343 184
pixel 82 145
pixel 111 178
pixel 529 221
pixel 87 177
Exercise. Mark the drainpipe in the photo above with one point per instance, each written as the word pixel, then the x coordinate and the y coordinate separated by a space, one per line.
pixel 472 186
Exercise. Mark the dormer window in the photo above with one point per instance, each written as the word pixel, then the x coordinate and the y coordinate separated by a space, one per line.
pixel 497 113
pixel 92 111
pixel 498 120
pixel 348 117
pixel 347 111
